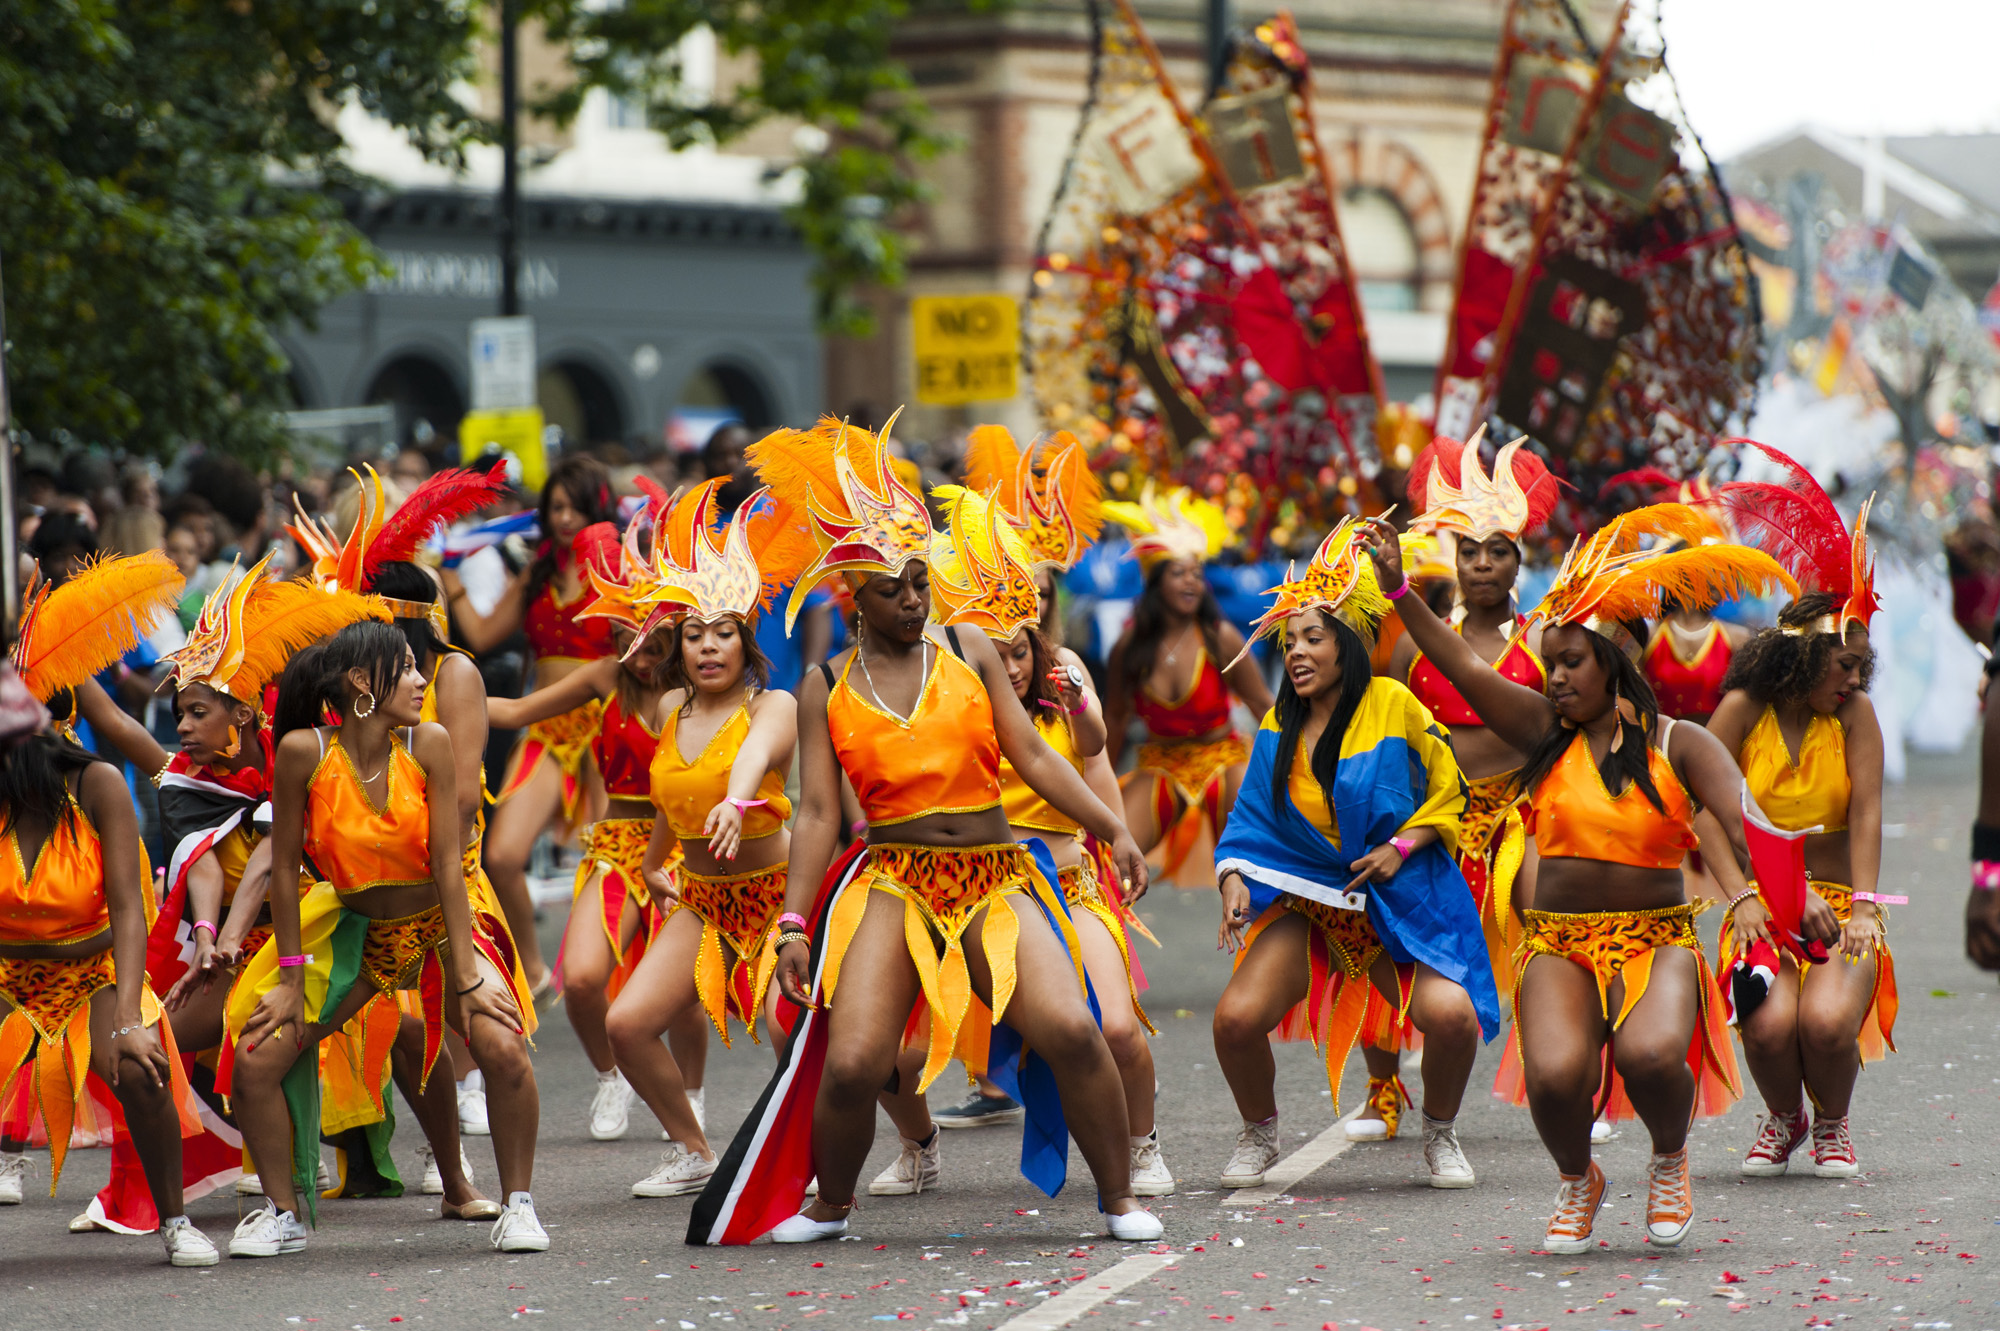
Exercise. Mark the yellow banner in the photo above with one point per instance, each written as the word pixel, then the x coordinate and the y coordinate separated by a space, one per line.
pixel 516 432
pixel 968 348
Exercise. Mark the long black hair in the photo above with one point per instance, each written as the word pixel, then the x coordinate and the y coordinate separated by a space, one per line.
pixel 403 581
pixel 1626 764
pixel 1293 710
pixel 1776 667
pixel 588 485
pixel 34 779
pixel 1149 627
pixel 316 679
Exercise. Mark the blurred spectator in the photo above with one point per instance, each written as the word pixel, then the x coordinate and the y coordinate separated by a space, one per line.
pixel 39 487
pixel 61 544
pixel 722 455
pixel 409 469
pixel 197 515
pixel 137 525
pixel 238 498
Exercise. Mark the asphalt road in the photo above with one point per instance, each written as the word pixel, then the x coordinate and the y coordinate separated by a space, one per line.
pixel 1358 1241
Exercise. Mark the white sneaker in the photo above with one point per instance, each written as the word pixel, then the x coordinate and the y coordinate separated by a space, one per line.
pixel 611 1107
pixel 695 1102
pixel 1600 1132
pixel 1134 1226
pixel 433 1185
pixel 266 1232
pixel 519 1230
pixel 915 1168
pixel 1443 1156
pixel 681 1172
pixel 250 1185
pixel 186 1245
pixel 1256 1150
pixel 472 1121
pixel 13 1176
pixel 1150 1175
pixel 801 1229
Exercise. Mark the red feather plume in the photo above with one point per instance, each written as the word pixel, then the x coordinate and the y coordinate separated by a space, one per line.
pixel 438 502
pixel 1794 522
pixel 1440 454
pixel 1646 478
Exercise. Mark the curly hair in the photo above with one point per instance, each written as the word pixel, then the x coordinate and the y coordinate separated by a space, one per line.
pixel 1776 667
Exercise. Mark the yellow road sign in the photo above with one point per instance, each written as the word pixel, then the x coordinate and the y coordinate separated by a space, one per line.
pixel 517 432
pixel 968 348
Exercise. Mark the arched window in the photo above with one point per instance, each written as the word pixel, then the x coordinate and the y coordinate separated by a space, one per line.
pixel 578 398
pixel 1382 247
pixel 426 397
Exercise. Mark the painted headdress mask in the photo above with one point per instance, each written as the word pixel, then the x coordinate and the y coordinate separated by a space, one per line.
pixel 71 632
pixel 249 628
pixel 863 517
pixel 1339 579
pixel 1796 523
pixel 1058 510
pixel 1457 494
pixel 981 571
pixel 1176 525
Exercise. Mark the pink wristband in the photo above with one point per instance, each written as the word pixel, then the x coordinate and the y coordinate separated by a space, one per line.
pixel 742 805
pixel 1986 875
pixel 1400 592
pixel 792 917
pixel 206 924
pixel 1882 898
pixel 294 961
pixel 1405 846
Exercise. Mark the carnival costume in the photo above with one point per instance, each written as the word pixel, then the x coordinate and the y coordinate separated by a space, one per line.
pixel 1396 772
pixel 1188 764
pixel 1609 580
pixel 1687 684
pixel 1800 527
pixel 943 757
pixel 68 634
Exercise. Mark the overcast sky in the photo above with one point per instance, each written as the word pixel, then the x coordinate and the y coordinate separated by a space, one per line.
pixel 1752 69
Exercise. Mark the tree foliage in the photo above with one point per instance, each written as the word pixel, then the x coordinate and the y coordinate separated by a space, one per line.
pixel 165 168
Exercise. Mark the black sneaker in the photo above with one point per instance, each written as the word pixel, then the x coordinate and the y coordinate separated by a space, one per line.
pixel 980 1111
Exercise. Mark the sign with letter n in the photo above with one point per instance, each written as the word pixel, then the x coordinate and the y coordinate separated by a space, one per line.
pixel 967 348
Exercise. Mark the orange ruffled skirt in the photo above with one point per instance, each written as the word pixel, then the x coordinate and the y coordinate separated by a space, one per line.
pixel 1611 944
pixel 1191 773
pixel 736 958
pixel 610 881
pixel 1876 1038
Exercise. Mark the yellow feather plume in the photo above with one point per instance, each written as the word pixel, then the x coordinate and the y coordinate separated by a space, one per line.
pixel 73 631
pixel 280 618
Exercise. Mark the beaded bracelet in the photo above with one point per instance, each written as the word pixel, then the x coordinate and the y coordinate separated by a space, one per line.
pixel 303 960
pixel 791 936
pixel 1740 898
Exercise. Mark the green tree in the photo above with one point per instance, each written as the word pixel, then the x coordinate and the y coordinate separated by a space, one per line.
pixel 822 63
pixel 169 175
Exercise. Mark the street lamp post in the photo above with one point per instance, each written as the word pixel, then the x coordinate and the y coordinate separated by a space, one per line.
pixel 510 153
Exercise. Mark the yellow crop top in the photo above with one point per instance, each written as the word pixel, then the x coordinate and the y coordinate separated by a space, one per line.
pixel 232 856
pixel 944 759
pixel 356 845
pixel 1811 793
pixel 1308 798
pixel 684 792
pixel 1023 806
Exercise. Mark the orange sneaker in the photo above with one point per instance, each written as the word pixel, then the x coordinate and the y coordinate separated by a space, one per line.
pixel 1378 1122
pixel 1669 1200
pixel 1576 1211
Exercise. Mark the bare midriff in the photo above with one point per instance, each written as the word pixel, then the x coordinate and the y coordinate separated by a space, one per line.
pixel 1829 857
pixel 1064 847
pixel 1570 885
pixel 549 669
pixel 986 827
pixel 79 947
pixel 765 852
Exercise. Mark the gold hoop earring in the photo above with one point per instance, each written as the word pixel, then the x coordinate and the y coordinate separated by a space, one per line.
pixel 369 710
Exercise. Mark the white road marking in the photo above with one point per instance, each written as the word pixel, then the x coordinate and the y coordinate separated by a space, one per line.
pixel 1279 1178
pixel 1087 1293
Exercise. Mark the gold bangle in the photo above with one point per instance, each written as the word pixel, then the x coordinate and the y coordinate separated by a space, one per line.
pixel 791 936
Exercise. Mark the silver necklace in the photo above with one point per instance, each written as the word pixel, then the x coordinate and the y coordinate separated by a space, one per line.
pixel 875 693
pixel 1175 655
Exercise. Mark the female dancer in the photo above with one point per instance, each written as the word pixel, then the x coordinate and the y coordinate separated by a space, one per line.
pixel 373 801
pixel 1687 657
pixel 546 776
pixel 1351 787
pixel 943 905
pixel 74 903
pixel 717 781
pixel 1801 688
pixel 1485 515
pixel 1164 667
pixel 1610 905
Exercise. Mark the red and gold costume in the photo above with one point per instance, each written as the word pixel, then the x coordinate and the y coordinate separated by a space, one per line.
pixel 610 878
pixel 1687 686
pixel 556 632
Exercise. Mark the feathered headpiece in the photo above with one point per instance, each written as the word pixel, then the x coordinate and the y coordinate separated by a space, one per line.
pixel 1456 494
pixel 1424 556
pixel 71 632
pixel 1608 579
pixel 248 630
pixel 1339 578
pixel 1177 525
pixel 1059 511
pixel 981 570
pixel 1798 525
pixel 693 572
pixel 863 517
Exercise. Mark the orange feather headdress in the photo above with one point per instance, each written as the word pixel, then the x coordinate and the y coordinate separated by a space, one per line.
pixel 248 630
pixel 863 517
pixel 1796 523
pixel 71 632
pixel 1608 579
pixel 981 571
pixel 1059 510
pixel 1339 578
pixel 1455 493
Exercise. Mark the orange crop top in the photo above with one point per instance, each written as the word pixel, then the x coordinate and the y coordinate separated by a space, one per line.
pixel 1436 692
pixel 62 900
pixel 1811 793
pixel 1203 711
pixel 1572 814
pixel 624 748
pixel 356 845
pixel 1023 806
pixel 554 630
pixel 944 759
pixel 684 791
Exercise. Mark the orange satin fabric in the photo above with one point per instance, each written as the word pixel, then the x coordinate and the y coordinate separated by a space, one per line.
pixel 1572 814
pixel 1024 807
pixel 684 791
pixel 944 759
pixel 1812 793
pixel 62 899
pixel 356 845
